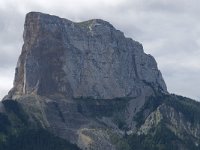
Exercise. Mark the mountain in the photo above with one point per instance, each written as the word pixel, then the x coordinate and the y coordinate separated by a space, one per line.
pixel 86 86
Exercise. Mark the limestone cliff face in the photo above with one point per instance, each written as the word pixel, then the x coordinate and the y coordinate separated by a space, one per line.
pixel 89 84
pixel 83 81
pixel 81 60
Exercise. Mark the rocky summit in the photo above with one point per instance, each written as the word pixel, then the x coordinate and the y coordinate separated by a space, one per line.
pixel 87 59
pixel 86 86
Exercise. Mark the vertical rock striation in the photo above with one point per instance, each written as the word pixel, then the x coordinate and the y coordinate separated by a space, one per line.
pixel 81 60
pixel 90 85
pixel 80 80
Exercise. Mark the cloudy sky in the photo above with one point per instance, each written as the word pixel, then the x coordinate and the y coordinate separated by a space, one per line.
pixel 168 29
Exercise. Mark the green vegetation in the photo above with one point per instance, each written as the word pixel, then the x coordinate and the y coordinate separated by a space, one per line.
pixel 113 108
pixel 189 108
pixel 36 140
pixel 101 107
pixel 4 123
pixel 158 138
pixel 150 105
pixel 120 143
pixel 17 133
pixel 119 120
pixel 13 108
pixel 162 138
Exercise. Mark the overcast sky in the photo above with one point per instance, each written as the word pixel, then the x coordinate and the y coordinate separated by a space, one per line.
pixel 168 29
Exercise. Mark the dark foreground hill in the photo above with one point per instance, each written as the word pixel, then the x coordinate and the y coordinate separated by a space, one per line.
pixel 86 86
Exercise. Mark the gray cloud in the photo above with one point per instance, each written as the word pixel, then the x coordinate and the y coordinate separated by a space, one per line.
pixel 169 30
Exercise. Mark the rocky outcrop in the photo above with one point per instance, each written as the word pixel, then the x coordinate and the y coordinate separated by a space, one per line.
pixel 87 59
pixel 83 81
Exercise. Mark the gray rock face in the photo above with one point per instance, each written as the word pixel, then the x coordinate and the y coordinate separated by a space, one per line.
pixel 89 84
pixel 82 81
pixel 81 60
